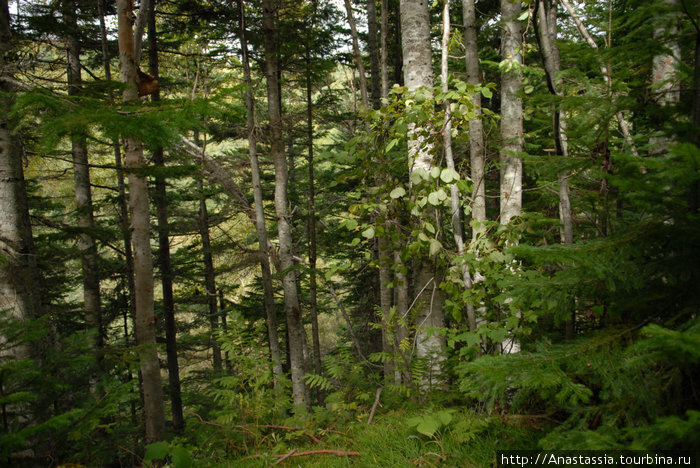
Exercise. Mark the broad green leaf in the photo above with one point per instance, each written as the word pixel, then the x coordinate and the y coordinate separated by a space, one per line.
pixel 448 175
pixel 355 241
pixel 486 92
pixel 445 417
pixel 429 227
pixel 156 451
pixel 391 144
pixel 435 172
pixel 418 175
pixel 435 247
pixel 368 233
pixel 350 224
pixel 428 426
pixel 181 457
pixel 398 192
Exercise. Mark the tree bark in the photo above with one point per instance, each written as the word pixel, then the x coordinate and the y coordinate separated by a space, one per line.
pixel 373 53
pixel 358 55
pixel 665 67
pixel 83 194
pixel 476 126
pixel 457 230
pixel 20 282
pixel 313 302
pixel 145 319
pixel 384 48
pixel 418 72
pixel 289 282
pixel 166 273
pixel 511 113
pixel 607 76
pixel 259 216
pixel 209 278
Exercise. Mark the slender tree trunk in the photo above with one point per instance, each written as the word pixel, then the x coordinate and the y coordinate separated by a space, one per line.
pixel 607 76
pixel 83 194
pixel 476 127
pixel 313 302
pixel 384 48
pixel 665 67
pixel 259 216
pixel 546 28
pixel 694 191
pixel 358 55
pixel 145 319
pixel 418 72
pixel 289 282
pixel 457 230
pixel 373 52
pixel 209 277
pixel 166 274
pixel 511 113
pixel 20 283
pixel 401 333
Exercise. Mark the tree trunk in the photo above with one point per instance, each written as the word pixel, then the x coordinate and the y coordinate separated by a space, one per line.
pixel 259 216
pixel 289 282
pixel 373 52
pixel 384 48
pixel 145 319
pixel 607 76
pixel 83 195
pixel 166 274
pixel 511 113
pixel 418 72
pixel 313 303
pixel 665 68
pixel 546 29
pixel 209 277
pixel 20 282
pixel 457 230
pixel 476 126
pixel 358 55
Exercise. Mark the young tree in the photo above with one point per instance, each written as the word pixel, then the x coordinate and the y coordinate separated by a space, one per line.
pixel 292 310
pixel 418 73
pixel 476 127
pixel 259 218
pixel 145 319
pixel 511 194
pixel 83 192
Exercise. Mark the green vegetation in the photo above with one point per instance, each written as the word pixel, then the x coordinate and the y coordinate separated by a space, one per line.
pixel 506 257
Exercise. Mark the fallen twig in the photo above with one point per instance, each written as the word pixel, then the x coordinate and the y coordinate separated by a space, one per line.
pixel 284 457
pixel 374 406
pixel 257 426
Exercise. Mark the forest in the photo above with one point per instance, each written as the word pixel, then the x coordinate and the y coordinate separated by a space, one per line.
pixel 331 233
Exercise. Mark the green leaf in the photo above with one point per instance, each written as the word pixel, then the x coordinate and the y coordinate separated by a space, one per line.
pixel 428 426
pixel 448 175
pixel 445 416
pixel 524 15
pixel 418 175
pixel 355 241
pixel 435 246
pixel 181 458
pixel 368 233
pixel 486 92
pixel 429 227
pixel 391 144
pixel 156 451
pixel 398 192
pixel 350 224
pixel 435 172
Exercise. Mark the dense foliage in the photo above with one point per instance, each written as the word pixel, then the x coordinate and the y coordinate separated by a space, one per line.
pixel 589 343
